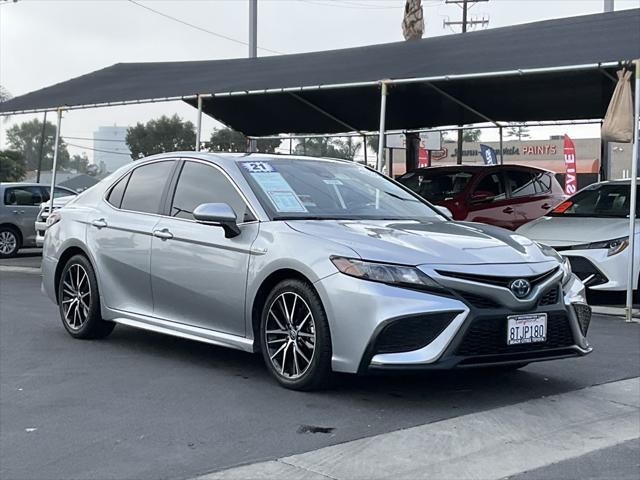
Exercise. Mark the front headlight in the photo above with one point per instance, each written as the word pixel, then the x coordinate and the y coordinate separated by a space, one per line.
pixel 400 275
pixel 613 247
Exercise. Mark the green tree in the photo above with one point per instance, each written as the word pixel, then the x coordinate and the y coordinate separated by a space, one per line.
pixel 12 167
pixel 25 138
pixel 520 132
pixel 469 135
pixel 164 134
pixel 328 147
pixel 79 162
pixel 229 140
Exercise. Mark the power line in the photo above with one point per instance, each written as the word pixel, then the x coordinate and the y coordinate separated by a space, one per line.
pixel 95 139
pixel 351 5
pixel 97 149
pixel 210 32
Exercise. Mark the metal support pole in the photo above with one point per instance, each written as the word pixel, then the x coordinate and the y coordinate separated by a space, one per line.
pixel 253 28
pixel 634 193
pixel 608 6
pixel 501 148
pixel 44 131
pixel 199 123
pixel 55 161
pixel 383 114
pixel 364 146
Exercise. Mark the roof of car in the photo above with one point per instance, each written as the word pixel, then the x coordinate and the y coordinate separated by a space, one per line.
pixel 21 184
pixel 221 157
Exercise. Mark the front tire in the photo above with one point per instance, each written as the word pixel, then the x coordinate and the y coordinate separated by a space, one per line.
pixel 294 336
pixel 79 301
pixel 9 242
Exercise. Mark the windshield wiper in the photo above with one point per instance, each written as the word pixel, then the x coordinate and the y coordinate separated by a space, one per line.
pixel 404 199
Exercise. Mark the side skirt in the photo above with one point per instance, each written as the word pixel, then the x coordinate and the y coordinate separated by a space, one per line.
pixel 183 331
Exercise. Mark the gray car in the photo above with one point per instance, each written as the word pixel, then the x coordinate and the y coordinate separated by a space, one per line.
pixel 19 207
pixel 321 265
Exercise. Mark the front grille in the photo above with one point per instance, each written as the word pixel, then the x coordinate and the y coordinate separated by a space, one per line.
pixel 585 270
pixel 412 333
pixel 497 281
pixel 478 301
pixel 488 336
pixel 583 312
pixel 550 297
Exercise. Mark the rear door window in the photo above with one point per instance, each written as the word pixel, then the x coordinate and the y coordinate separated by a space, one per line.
pixel 23 196
pixel 521 183
pixel 491 187
pixel 146 186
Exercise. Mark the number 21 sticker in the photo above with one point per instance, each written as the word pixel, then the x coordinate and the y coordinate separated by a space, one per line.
pixel 258 167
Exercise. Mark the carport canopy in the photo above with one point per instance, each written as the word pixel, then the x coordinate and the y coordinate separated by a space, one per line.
pixel 560 69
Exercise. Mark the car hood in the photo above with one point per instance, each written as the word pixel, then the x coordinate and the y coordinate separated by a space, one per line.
pixel 565 231
pixel 415 243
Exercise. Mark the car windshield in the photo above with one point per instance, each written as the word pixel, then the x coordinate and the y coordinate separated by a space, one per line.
pixel 436 186
pixel 599 200
pixel 326 189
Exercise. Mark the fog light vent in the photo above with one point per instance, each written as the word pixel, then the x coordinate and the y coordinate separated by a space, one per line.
pixel 412 333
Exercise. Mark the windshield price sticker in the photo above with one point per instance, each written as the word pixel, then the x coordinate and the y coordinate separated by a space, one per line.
pixel 258 167
pixel 286 201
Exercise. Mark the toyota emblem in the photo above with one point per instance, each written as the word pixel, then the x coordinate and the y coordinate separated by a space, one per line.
pixel 520 287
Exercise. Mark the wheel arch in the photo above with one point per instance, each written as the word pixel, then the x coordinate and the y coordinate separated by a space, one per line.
pixel 64 258
pixel 263 291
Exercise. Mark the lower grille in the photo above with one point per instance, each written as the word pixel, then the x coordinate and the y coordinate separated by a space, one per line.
pixel 478 301
pixel 585 270
pixel 583 312
pixel 488 336
pixel 550 297
pixel 412 333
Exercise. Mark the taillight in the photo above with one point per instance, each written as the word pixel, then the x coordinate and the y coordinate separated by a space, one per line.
pixel 53 218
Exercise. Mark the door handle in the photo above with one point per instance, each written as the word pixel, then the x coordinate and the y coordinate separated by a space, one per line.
pixel 99 223
pixel 546 206
pixel 18 212
pixel 164 234
pixel 508 210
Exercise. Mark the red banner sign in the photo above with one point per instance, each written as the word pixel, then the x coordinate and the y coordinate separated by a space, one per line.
pixel 571 174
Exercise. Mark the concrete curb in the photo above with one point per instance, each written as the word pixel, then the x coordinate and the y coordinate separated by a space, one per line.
pixel 488 445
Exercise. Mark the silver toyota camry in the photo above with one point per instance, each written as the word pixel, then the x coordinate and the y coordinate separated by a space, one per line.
pixel 321 265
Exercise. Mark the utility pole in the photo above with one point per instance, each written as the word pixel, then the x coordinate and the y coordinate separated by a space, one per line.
pixel 44 127
pixel 253 50
pixel 465 5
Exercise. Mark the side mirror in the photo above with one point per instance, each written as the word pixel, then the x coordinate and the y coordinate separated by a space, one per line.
pixel 444 210
pixel 218 214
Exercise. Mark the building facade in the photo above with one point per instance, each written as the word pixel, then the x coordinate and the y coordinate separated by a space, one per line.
pixel 110 148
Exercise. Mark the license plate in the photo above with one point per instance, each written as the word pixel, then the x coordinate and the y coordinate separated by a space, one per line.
pixel 531 328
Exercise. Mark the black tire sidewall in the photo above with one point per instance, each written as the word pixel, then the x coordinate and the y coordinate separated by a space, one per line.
pixel 15 233
pixel 318 374
pixel 94 322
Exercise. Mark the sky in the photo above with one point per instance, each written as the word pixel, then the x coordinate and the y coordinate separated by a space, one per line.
pixel 43 42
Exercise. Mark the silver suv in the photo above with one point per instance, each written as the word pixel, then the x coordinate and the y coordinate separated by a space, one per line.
pixel 19 207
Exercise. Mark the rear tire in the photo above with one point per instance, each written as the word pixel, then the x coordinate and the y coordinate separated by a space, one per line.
pixel 294 337
pixel 10 242
pixel 79 301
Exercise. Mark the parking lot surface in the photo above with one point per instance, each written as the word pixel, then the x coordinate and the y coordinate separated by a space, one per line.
pixel 141 405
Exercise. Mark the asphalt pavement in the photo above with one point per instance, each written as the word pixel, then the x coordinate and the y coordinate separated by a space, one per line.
pixel 139 405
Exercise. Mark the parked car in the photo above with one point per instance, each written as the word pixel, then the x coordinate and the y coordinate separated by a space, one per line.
pixel 43 214
pixel 503 195
pixel 19 206
pixel 591 229
pixel 322 265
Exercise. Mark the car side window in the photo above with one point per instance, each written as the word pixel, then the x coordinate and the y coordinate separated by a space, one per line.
pixel 60 192
pixel 23 196
pixel 200 183
pixel 491 187
pixel 146 184
pixel 542 182
pixel 117 192
pixel 521 183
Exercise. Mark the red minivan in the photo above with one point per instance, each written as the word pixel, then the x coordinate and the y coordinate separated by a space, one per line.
pixel 504 195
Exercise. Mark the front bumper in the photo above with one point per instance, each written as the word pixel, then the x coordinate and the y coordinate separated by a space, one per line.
pixel 363 316
pixel 599 271
pixel 41 227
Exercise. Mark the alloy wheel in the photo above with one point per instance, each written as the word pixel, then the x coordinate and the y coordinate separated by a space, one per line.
pixel 76 296
pixel 8 242
pixel 290 335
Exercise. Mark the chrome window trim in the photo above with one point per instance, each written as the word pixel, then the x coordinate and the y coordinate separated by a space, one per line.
pixel 177 159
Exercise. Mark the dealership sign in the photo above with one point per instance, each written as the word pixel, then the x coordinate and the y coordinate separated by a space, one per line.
pixel 428 140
